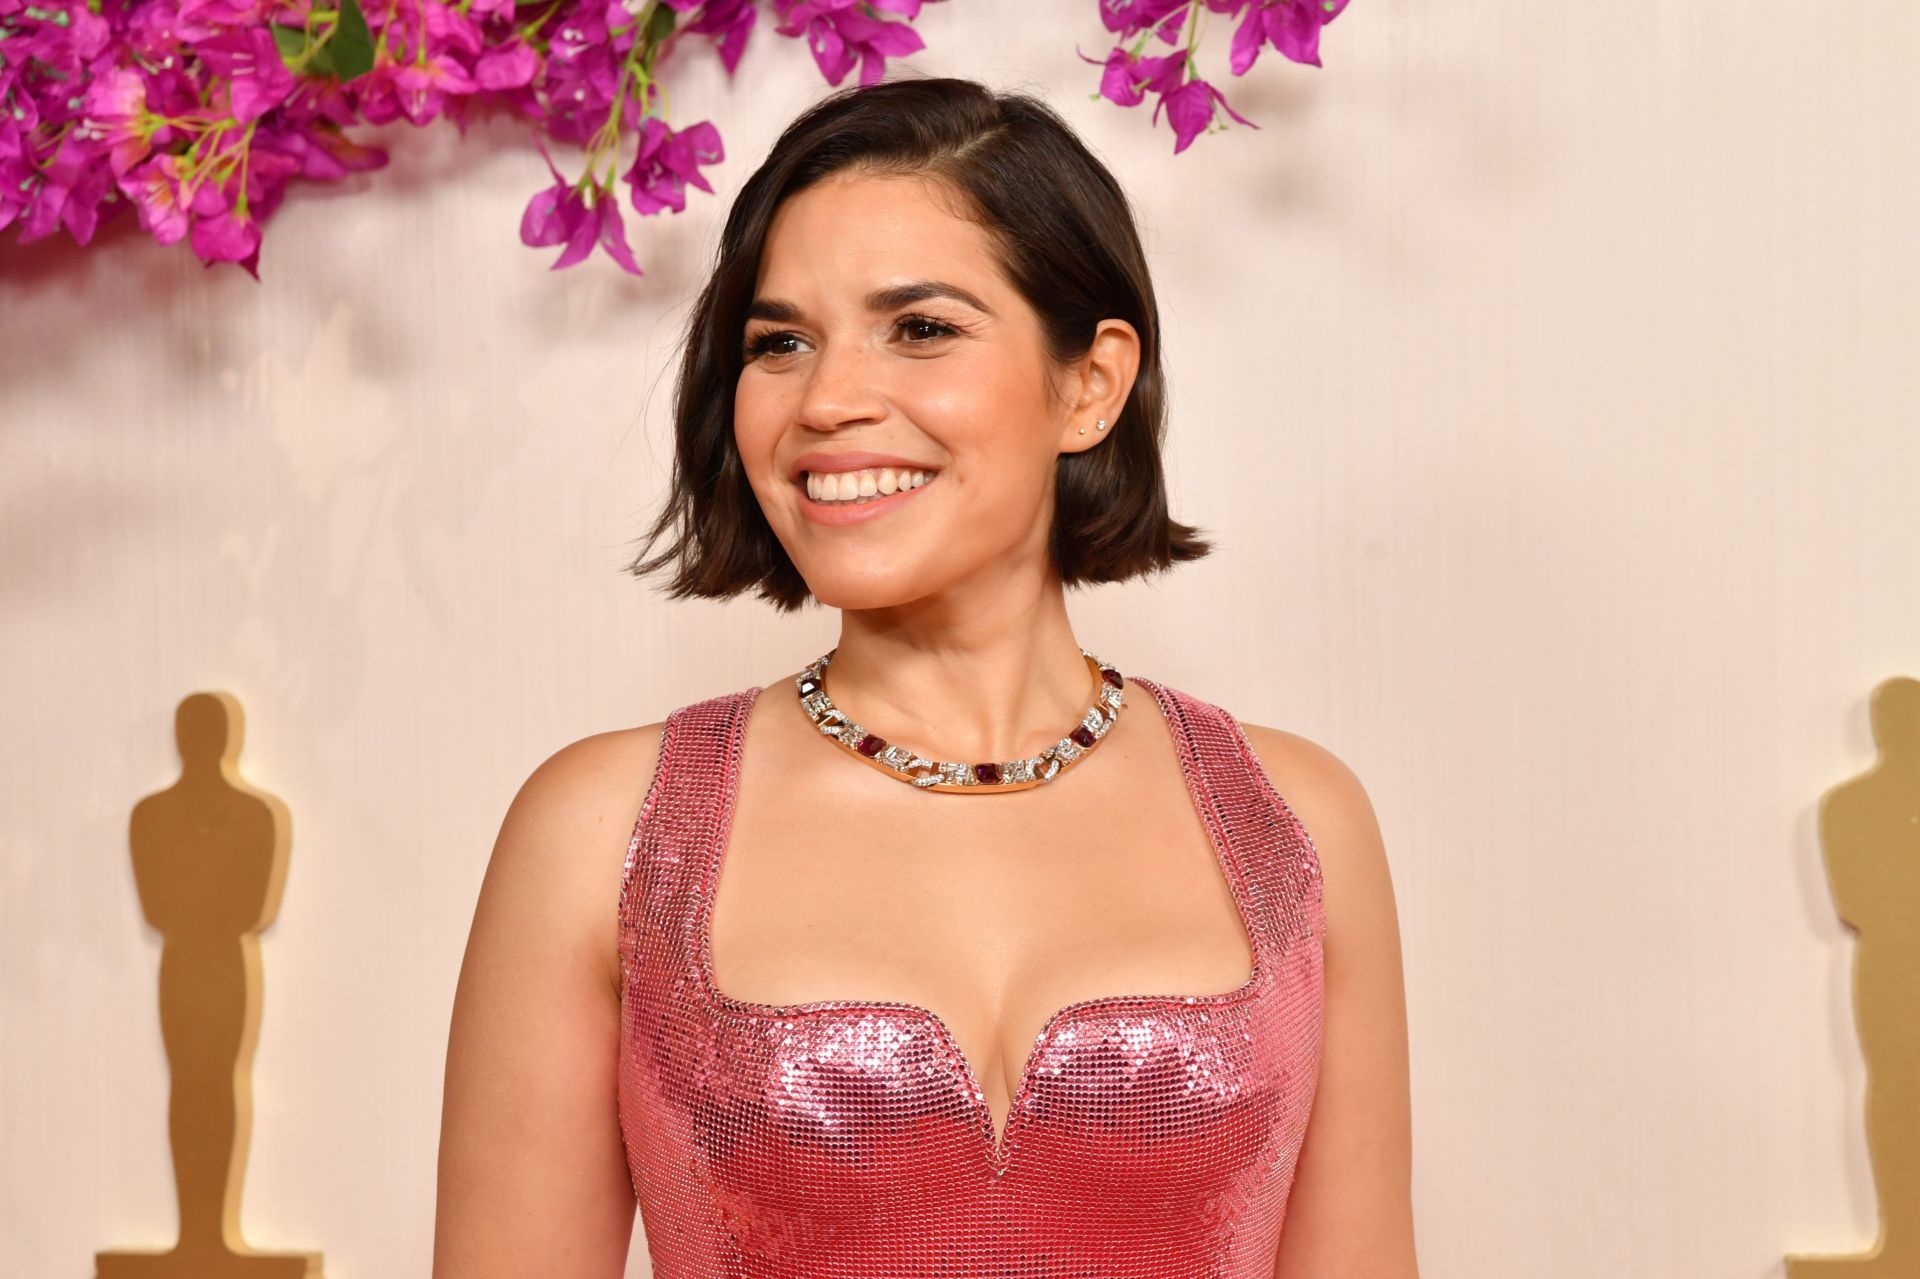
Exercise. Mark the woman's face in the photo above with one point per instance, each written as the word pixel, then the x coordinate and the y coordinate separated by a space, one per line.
pixel 883 338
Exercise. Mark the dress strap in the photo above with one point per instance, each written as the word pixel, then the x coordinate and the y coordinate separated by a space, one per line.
pixel 1270 852
pixel 681 816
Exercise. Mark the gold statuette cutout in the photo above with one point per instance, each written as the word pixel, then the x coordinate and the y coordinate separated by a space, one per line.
pixel 1870 832
pixel 210 860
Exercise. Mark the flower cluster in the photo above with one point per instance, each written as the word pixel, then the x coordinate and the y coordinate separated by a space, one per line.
pixel 1291 26
pixel 198 113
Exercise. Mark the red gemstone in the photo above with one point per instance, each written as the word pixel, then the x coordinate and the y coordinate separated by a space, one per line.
pixel 988 773
pixel 1112 677
pixel 1082 734
pixel 871 745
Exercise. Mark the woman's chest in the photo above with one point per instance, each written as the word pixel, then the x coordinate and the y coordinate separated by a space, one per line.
pixel 996 915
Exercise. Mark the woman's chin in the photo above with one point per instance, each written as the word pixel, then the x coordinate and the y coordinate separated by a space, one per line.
pixel 855 591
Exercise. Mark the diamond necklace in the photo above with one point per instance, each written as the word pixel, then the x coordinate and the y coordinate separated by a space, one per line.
pixel 945 775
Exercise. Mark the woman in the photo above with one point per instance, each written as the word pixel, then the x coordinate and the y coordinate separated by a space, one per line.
pixel 923 387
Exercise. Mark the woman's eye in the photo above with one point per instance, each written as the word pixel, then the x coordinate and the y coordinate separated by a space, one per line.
pixel 766 342
pixel 923 322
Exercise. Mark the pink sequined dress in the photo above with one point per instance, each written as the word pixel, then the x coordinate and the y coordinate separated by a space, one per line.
pixel 1151 1136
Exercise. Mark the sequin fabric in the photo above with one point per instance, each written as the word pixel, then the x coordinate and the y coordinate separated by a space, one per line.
pixel 1150 1136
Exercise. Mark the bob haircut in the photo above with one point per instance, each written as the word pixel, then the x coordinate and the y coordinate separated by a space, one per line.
pixel 1064 233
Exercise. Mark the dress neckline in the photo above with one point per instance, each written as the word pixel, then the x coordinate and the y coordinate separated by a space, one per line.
pixel 997 1150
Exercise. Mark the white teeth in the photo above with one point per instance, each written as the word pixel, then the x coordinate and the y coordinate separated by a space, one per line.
pixel 862 486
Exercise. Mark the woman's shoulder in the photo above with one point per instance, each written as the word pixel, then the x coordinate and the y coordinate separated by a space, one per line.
pixel 595 775
pixel 614 766
pixel 562 846
pixel 1324 792
pixel 1298 765
pixel 616 761
pixel 1331 804
pixel 600 780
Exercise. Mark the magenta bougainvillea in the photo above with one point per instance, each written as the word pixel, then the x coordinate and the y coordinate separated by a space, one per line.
pixel 199 113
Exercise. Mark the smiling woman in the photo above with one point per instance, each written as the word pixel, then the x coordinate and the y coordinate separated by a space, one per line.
pixel 1132 1020
pixel 963 240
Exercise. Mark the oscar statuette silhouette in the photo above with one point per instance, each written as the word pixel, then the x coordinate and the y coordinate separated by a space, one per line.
pixel 210 861
pixel 1870 831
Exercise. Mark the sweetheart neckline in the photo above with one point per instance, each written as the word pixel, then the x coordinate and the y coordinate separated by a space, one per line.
pixel 999 1146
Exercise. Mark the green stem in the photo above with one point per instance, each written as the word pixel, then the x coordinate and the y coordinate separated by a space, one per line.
pixel 540 21
pixel 311 46
pixel 246 155
pixel 636 70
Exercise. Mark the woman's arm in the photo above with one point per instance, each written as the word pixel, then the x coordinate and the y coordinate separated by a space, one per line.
pixel 533 1174
pixel 1351 1211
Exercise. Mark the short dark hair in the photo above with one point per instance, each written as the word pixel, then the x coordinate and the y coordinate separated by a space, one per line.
pixel 1065 234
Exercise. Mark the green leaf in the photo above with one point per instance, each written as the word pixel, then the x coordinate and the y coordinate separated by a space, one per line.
pixel 352 44
pixel 294 41
pixel 660 26
pixel 290 41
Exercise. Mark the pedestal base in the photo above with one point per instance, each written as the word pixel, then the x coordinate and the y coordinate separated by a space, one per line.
pixel 1881 1263
pixel 207 1264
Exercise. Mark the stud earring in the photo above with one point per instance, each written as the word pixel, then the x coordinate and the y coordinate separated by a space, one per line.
pixel 1101 425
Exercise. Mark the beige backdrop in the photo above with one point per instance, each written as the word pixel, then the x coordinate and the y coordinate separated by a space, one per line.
pixel 1539 367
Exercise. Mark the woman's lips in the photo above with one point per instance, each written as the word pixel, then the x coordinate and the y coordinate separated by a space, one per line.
pixel 839 514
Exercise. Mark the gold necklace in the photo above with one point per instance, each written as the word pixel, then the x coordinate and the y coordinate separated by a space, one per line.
pixel 909 766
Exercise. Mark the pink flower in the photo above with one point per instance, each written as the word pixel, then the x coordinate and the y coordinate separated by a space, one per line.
pixel 582 74
pixel 667 160
pixel 1126 79
pixel 63 192
pixel 375 96
pixel 116 105
pixel 610 231
pixel 195 20
pixel 422 89
pixel 450 31
pixel 840 34
pixel 561 215
pixel 733 19
pixel 1190 100
pixel 222 234
pixel 157 195
pixel 1129 17
pixel 1190 110
pixel 506 67
pixel 249 61
pixel 1291 26
pixel 553 214
pixel 327 154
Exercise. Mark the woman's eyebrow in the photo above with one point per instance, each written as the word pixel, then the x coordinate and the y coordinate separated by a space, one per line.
pixel 890 298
